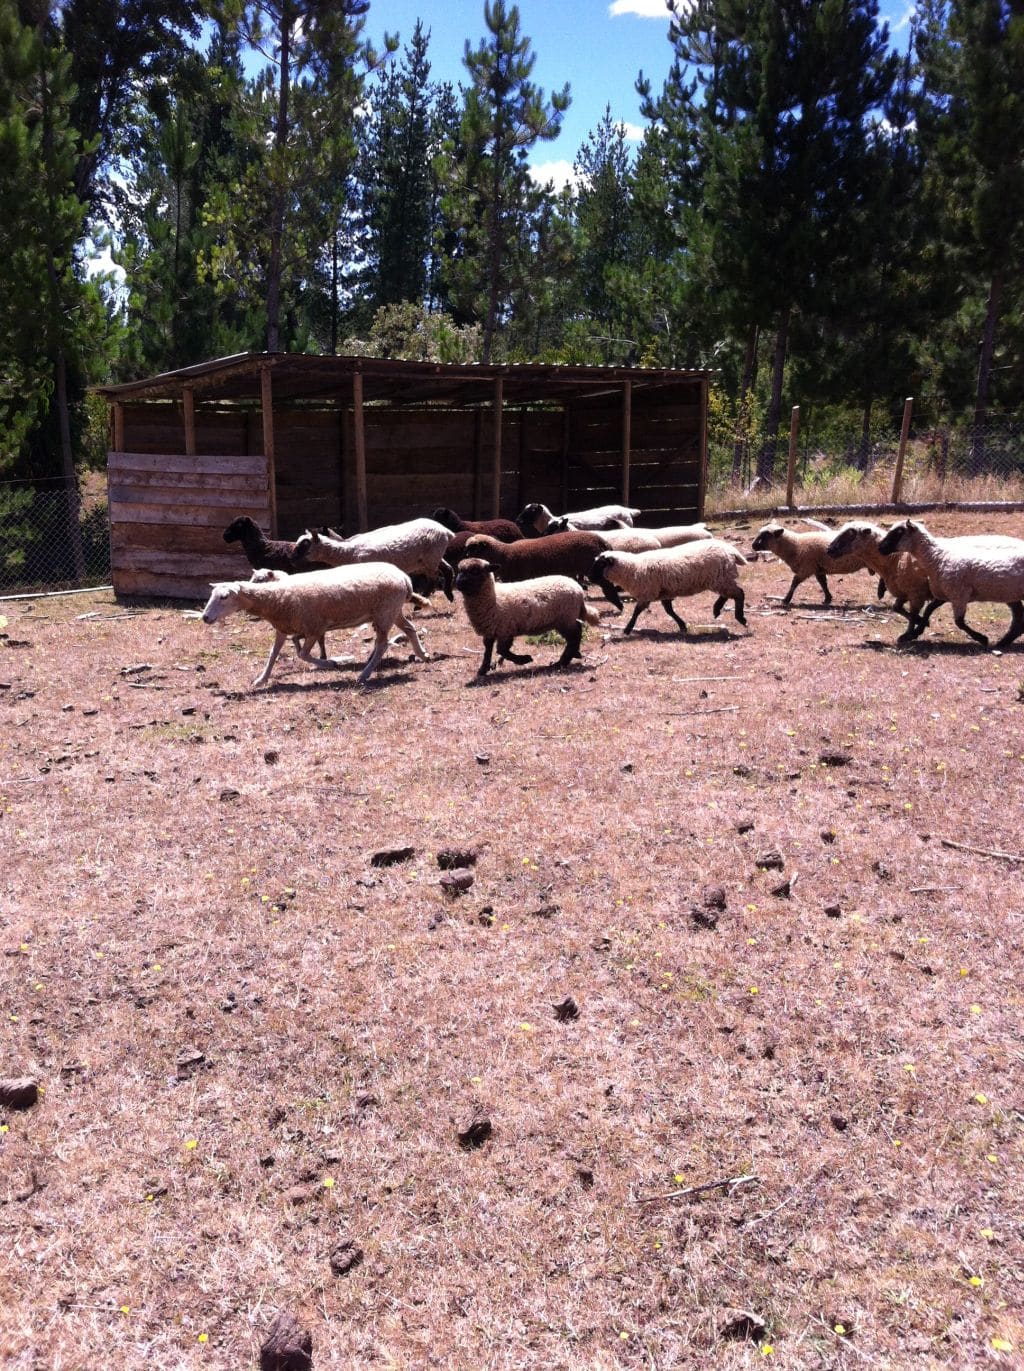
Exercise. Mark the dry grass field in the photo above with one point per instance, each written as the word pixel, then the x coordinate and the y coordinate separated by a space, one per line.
pixel 262 1056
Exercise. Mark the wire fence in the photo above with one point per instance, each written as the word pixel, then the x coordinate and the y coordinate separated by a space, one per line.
pixel 944 461
pixel 52 538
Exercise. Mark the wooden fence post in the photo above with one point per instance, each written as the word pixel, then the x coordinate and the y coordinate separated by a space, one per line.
pixel 627 429
pixel 897 476
pixel 359 433
pixel 188 405
pixel 118 410
pixel 267 410
pixel 499 387
pixel 794 434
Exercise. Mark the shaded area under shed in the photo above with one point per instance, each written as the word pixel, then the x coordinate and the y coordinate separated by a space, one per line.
pixel 299 441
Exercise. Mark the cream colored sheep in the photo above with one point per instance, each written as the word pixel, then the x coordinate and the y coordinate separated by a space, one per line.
pixel 675 535
pixel 416 547
pixel 308 605
pixel 499 613
pixel 536 517
pixel 963 571
pixel 806 554
pixel 711 564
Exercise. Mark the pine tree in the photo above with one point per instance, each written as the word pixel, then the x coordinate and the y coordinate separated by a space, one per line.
pixel 489 188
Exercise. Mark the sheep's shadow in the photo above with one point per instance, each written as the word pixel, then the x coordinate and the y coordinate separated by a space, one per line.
pixel 504 672
pixel 692 637
pixel 927 647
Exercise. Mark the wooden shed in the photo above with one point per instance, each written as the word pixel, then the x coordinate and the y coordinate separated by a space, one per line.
pixel 300 441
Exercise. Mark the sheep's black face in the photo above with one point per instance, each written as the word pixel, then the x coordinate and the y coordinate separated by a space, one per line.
pixel 765 540
pixel 842 543
pixel 235 530
pixel 472 574
pixel 527 521
pixel 894 538
pixel 447 517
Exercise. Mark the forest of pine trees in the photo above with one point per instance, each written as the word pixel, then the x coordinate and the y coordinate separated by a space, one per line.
pixel 817 215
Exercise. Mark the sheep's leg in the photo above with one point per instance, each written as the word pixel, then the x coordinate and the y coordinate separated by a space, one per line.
pixel 447 578
pixel 739 600
pixel 923 620
pixel 610 592
pixel 573 636
pixel 505 653
pixel 485 665
pixel 1017 625
pixel 279 642
pixel 641 605
pixel 413 637
pixel 322 642
pixel 380 646
pixel 959 611
pixel 881 587
pixel 819 576
pixel 669 609
pixel 787 599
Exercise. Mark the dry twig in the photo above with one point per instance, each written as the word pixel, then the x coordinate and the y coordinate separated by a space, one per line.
pixel 729 1181
pixel 981 851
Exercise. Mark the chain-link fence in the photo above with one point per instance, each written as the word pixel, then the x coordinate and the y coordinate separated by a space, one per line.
pixel 52 538
pixel 841 464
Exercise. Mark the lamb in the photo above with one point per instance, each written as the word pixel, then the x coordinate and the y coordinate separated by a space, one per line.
pixel 416 547
pixel 688 570
pixel 899 572
pixel 277 554
pixel 806 554
pixel 500 612
pixel 962 571
pixel 561 554
pixel 535 518
pixel 308 605
pixel 503 529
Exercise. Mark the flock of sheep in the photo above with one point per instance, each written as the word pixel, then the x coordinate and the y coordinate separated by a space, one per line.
pixel 527 576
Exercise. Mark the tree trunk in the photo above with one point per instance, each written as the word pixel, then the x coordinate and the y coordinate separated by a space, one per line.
pixel 334 293
pixel 766 457
pixel 865 435
pixel 278 194
pixel 746 385
pixel 988 339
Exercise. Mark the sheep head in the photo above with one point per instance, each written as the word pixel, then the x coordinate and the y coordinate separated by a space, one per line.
pixel 851 538
pixel 472 575
pixel 222 602
pixel 239 527
pixel 768 537
pixel 534 518
pixel 447 517
pixel 898 536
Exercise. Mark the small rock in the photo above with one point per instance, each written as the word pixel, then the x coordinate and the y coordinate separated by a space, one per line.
pixel 271 756
pixel 486 916
pixel 392 856
pixel 744 1326
pixel 741 769
pixel 704 918
pixel 452 858
pixel 835 757
pixel 19 1092
pixel 833 911
pixel 302 1193
pixel 827 836
pixel 839 1123
pixel 567 1009
pixel 627 767
pixel 483 758
pixel 585 1177
pixel 544 911
pixel 784 889
pixel 772 860
pixel 227 795
pixel 188 1062
pixel 744 825
pixel 714 897
pixel 345 1257
pixel 455 883
pixel 475 1135
pixel 287 1347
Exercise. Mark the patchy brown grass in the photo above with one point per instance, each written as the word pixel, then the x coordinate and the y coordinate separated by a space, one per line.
pixel 256 1046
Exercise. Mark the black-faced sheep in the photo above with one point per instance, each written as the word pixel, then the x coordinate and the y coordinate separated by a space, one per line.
pixel 963 571
pixel 309 605
pixel 499 613
pixel 536 517
pixel 806 554
pixel 649 576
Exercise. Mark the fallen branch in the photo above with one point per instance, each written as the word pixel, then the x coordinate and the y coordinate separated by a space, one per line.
pixel 693 680
pixel 981 851
pixel 728 1181
pixel 723 709
pixel 932 889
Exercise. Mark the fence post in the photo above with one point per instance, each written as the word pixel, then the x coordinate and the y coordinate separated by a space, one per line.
pixel 794 434
pixel 897 476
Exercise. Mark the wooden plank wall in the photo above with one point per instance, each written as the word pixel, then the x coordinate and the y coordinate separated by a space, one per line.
pixel 167 519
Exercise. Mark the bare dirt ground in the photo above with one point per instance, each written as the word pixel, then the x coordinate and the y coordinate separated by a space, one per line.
pixel 258 1050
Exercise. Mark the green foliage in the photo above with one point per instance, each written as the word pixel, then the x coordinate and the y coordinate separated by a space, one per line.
pixel 408 332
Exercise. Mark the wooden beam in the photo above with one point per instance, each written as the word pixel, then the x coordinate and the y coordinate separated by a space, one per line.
pixel 267 409
pixel 188 404
pixel 478 460
pixel 499 386
pixel 897 476
pixel 362 515
pixel 627 427
pixel 794 435
pixel 566 430
pixel 118 410
pixel 702 453
pixel 523 459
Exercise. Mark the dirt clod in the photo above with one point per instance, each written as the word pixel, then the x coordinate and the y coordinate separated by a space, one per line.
pixel 475 1135
pixel 345 1257
pixel 288 1346
pixel 392 856
pixel 835 757
pixel 743 1326
pixel 455 883
pixel 454 858
pixel 566 1009
pixel 772 860
pixel 714 897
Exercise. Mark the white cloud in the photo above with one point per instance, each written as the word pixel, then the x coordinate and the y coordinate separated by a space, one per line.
pixel 100 263
pixel 643 9
pixel 560 173
pixel 896 24
pixel 632 133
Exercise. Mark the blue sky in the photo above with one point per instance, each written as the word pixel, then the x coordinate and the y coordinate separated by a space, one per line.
pixel 598 46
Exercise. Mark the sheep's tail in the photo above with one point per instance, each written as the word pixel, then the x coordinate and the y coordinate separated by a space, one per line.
pixel 590 615
pixel 816 523
pixel 420 601
pixel 738 557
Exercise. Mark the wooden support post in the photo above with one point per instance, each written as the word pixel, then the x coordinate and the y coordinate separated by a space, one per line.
pixel 362 515
pixel 627 426
pixel 499 387
pixel 794 435
pixel 188 405
pixel 897 476
pixel 566 430
pixel 521 486
pixel 702 453
pixel 118 409
pixel 267 410
pixel 478 460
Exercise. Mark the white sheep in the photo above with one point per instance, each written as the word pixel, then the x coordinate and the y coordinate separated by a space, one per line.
pixel 900 573
pixel 499 613
pixel 536 517
pixel 650 539
pixel 675 535
pixel 416 547
pixel 806 554
pixel 308 605
pixel 711 564
pixel 963 571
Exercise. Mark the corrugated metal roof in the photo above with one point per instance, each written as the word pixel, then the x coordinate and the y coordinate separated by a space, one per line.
pixel 302 376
